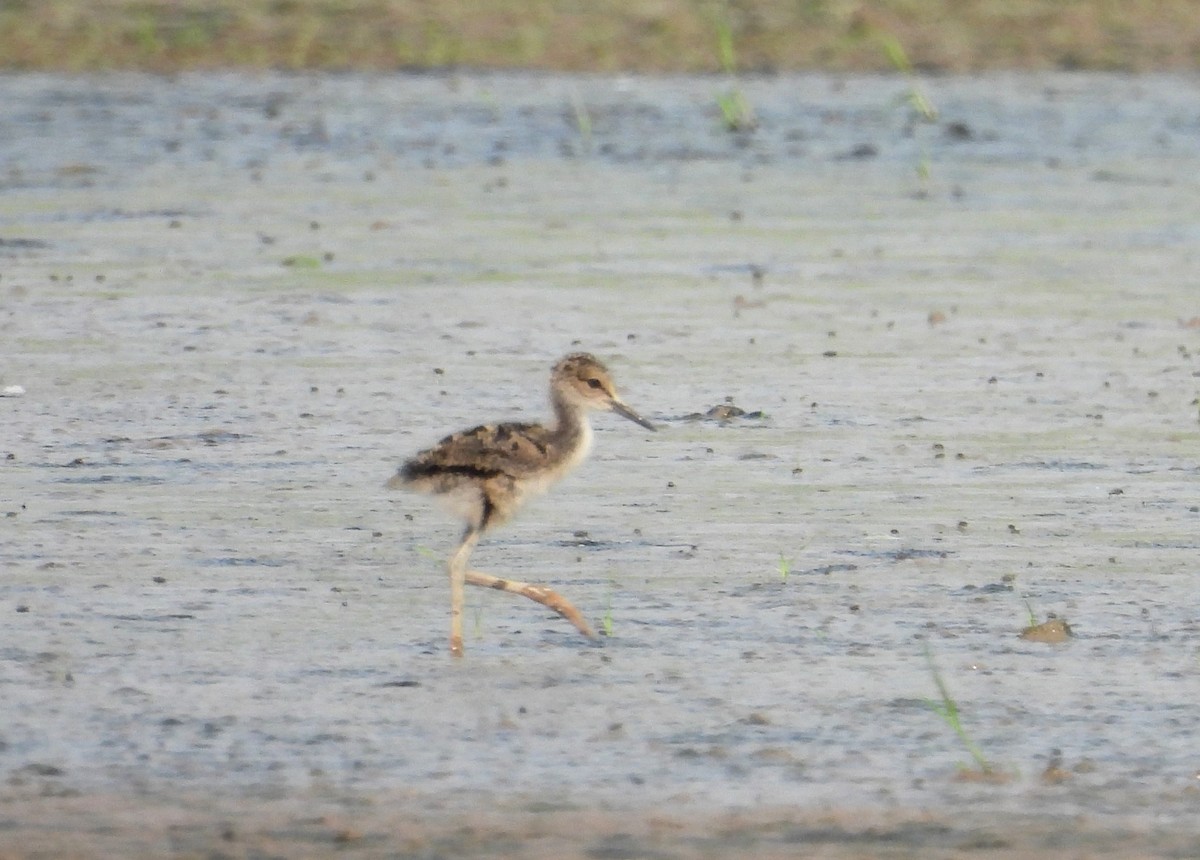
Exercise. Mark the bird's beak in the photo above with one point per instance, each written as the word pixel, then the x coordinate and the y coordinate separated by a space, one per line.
pixel 624 411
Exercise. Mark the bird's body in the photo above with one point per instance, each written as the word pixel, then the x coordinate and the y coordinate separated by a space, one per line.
pixel 486 473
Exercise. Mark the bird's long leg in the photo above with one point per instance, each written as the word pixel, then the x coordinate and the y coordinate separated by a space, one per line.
pixel 459 575
pixel 545 596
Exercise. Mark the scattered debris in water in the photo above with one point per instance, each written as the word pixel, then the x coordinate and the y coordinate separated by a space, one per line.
pixel 724 413
pixel 1055 773
pixel 741 303
pixel 991 777
pixel 1052 632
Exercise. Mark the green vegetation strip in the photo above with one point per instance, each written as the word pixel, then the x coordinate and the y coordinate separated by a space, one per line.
pixel 599 35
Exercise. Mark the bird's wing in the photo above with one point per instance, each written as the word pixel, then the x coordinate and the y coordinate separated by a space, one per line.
pixel 490 449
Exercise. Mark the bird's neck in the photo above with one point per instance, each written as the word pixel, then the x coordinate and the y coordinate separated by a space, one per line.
pixel 572 434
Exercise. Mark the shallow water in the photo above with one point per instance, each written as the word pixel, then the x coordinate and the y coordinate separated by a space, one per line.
pixel 236 302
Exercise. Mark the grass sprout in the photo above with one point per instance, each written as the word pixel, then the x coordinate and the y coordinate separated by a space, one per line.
pixel 916 99
pixel 736 113
pixel 606 623
pixel 785 567
pixel 583 121
pixel 920 107
pixel 946 708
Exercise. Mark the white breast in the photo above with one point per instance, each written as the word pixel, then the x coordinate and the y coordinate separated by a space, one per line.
pixel 544 481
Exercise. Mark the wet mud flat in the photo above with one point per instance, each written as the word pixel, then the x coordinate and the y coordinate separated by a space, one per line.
pixel 963 356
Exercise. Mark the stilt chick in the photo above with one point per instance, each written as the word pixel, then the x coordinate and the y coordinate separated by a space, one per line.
pixel 486 473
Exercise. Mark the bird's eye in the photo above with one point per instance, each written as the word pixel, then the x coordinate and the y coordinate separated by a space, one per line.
pixel 594 383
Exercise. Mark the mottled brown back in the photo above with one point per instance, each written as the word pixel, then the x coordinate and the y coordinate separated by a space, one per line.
pixel 490 450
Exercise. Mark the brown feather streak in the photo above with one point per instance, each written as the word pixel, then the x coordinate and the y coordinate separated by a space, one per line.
pixel 414 470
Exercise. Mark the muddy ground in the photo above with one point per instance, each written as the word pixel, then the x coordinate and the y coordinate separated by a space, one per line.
pixel 967 352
